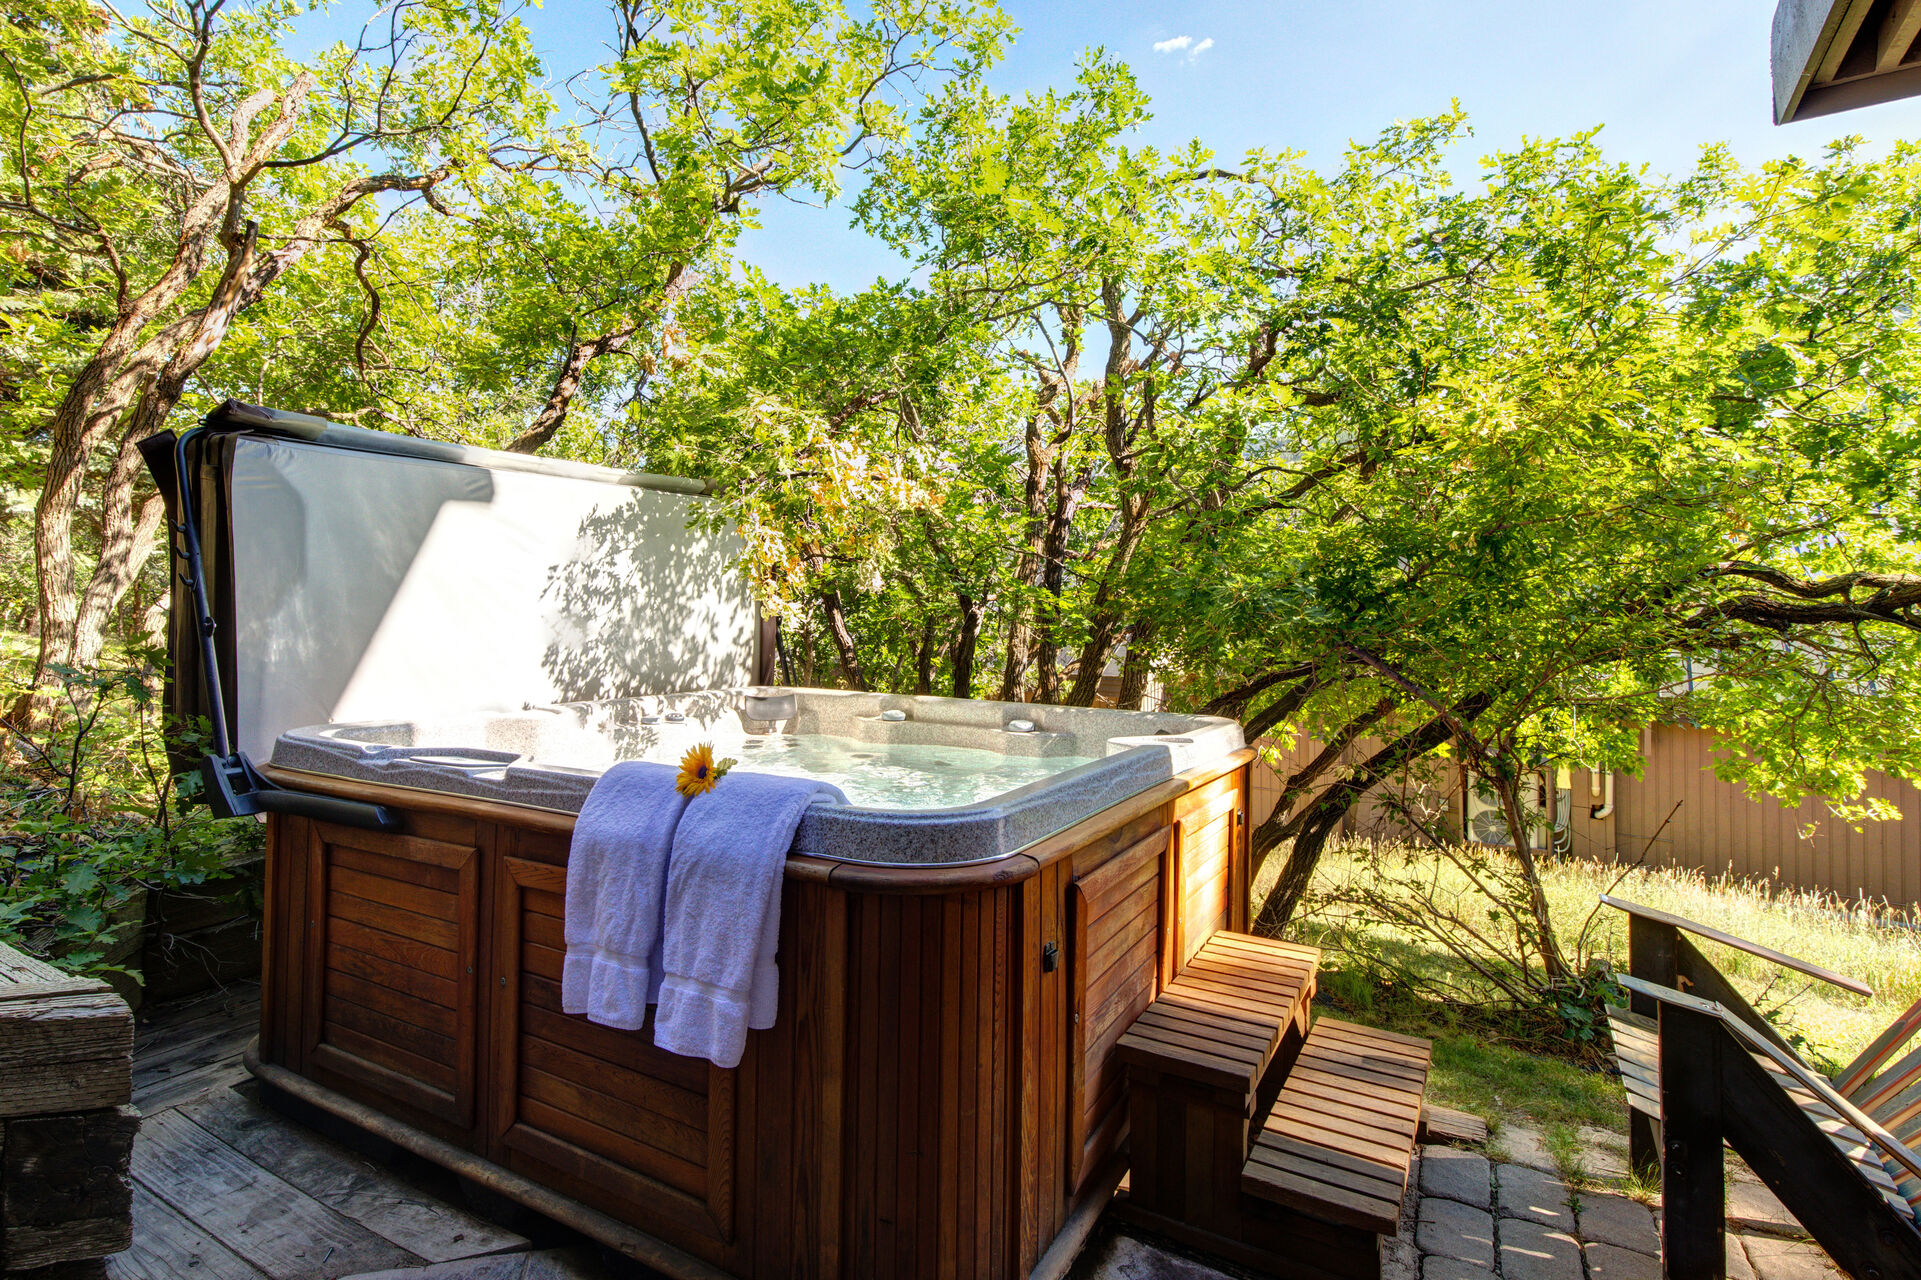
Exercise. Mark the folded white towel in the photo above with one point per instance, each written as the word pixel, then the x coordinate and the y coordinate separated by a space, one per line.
pixel 723 913
pixel 617 894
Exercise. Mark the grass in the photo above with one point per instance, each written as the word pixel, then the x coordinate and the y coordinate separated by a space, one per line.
pixel 1489 1064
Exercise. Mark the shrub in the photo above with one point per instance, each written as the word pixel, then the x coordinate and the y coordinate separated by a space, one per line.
pixel 92 817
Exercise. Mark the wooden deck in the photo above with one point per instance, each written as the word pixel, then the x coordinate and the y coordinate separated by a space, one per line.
pixel 227 1189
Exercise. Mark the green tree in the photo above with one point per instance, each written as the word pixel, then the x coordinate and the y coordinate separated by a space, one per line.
pixel 406 232
pixel 854 438
pixel 1487 471
pixel 164 171
pixel 1117 285
pixel 1578 434
pixel 707 108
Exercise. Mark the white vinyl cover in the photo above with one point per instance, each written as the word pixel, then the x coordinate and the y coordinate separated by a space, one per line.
pixel 368 586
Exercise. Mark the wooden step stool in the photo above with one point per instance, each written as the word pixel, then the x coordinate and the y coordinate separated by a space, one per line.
pixel 1336 1145
pixel 1253 1137
pixel 1196 1059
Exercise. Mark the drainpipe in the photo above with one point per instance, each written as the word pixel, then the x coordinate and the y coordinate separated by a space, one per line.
pixel 1606 789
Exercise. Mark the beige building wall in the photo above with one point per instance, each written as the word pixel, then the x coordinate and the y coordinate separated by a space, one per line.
pixel 1678 814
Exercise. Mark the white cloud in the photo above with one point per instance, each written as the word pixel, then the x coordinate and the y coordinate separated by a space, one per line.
pixel 1184 44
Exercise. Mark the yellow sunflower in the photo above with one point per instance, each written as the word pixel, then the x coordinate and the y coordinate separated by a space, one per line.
pixel 699 771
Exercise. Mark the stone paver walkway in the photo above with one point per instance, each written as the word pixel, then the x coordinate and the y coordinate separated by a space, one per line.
pixel 1468 1217
pixel 1477 1219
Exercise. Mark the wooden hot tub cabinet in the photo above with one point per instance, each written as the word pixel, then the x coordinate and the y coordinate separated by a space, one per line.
pixel 938 1097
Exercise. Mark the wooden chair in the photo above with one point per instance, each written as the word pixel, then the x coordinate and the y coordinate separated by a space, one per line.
pixel 1660 953
pixel 1841 1173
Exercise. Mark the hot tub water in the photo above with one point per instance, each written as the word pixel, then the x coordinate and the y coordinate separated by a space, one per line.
pixel 899 775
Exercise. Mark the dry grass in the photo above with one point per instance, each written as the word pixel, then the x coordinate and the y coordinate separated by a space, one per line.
pixel 1510 1082
pixel 1871 942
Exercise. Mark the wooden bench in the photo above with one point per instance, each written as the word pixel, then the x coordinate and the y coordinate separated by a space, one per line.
pixel 1338 1141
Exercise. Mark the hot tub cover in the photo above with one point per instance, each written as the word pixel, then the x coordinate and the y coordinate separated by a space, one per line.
pixel 362 575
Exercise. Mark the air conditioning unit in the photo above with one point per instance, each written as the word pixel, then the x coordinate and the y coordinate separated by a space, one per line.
pixel 1487 821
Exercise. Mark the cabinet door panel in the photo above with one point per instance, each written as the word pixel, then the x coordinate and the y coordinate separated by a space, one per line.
pixel 609 1118
pixel 1207 844
pixel 1117 938
pixel 391 950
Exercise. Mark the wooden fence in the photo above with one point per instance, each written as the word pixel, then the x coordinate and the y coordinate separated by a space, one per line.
pixel 1716 828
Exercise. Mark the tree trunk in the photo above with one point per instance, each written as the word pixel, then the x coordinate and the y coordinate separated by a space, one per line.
pixel 560 397
pixel 126 541
pixel 1552 963
pixel 1119 432
pixel 1134 671
pixel 785 659
pixel 1027 570
pixel 1106 618
pixel 1068 493
pixel 1047 665
pixel 1310 839
pixel 971 613
pixel 924 666
pixel 127 538
pixel 1310 828
pixel 1330 754
pixel 153 620
pixel 1014 665
pixel 843 639
pixel 582 352
pixel 1268 718
pixel 1044 435
pixel 1236 700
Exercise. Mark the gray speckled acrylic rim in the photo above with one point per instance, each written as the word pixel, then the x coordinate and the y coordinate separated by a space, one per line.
pixel 1135 750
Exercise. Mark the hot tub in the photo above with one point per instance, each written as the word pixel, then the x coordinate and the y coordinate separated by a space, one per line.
pixel 928 780
pixel 435 651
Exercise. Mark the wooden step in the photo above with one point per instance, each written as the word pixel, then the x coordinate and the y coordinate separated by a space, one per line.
pixel 1200 1060
pixel 1223 1019
pixel 1445 1124
pixel 1338 1141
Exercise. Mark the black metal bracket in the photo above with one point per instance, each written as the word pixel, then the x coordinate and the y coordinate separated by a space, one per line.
pixel 235 788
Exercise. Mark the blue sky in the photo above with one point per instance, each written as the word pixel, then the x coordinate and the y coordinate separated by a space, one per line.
pixel 1663 76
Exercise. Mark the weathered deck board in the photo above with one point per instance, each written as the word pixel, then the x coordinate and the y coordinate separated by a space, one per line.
pixel 271 1223
pixel 226 1189
pixel 351 1186
pixel 166 1246
pixel 187 1048
pixel 556 1264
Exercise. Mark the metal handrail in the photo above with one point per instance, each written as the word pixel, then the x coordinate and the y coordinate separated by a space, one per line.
pixel 1871 1128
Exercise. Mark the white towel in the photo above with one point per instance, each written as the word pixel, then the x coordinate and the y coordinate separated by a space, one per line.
pixel 723 913
pixel 617 894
